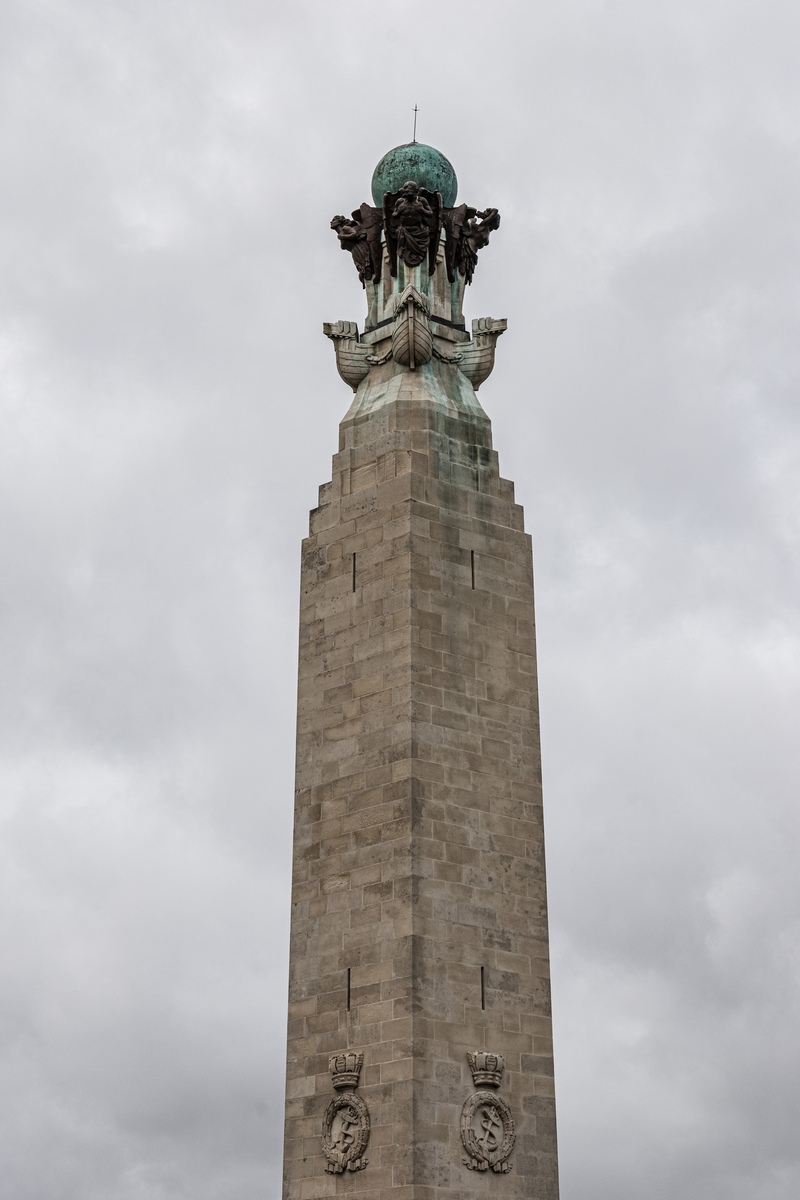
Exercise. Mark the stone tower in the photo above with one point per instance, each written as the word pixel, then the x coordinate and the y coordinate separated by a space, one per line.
pixel 419 1056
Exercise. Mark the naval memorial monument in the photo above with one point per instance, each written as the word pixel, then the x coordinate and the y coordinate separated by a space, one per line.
pixel 419 1045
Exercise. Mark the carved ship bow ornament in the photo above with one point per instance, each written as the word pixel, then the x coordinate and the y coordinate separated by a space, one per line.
pixel 412 341
pixel 414 257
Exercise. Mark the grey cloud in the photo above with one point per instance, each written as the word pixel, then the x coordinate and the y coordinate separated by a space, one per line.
pixel 169 408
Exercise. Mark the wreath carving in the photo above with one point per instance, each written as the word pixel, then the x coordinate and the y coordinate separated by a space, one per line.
pixel 487 1132
pixel 345 1133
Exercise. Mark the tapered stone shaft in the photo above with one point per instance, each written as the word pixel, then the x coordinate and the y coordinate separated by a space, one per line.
pixel 419 916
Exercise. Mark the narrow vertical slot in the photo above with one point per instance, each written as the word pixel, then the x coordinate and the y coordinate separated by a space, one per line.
pixel 483 987
pixel 472 568
pixel 348 971
pixel 354 571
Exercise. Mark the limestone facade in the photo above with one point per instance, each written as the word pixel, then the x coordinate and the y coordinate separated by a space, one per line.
pixel 419 913
pixel 419 1051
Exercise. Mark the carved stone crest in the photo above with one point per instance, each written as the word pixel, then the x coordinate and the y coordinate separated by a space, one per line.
pixel 345 1134
pixel 487 1069
pixel 487 1132
pixel 346 1069
pixel 487 1126
pixel 345 1130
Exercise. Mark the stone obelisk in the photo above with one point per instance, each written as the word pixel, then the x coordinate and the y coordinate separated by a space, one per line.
pixel 419 1056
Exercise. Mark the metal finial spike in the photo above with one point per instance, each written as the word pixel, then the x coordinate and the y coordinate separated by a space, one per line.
pixel 415 123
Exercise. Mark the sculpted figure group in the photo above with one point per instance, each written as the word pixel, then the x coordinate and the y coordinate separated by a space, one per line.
pixel 361 235
pixel 413 220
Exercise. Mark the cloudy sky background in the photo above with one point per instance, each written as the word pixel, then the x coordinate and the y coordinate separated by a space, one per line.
pixel 169 407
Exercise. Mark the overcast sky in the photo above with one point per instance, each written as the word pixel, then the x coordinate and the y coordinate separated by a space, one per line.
pixel 169 406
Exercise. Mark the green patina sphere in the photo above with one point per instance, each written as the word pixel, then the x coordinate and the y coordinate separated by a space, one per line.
pixel 419 163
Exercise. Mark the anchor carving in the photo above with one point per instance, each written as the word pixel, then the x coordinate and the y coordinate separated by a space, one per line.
pixel 345 1129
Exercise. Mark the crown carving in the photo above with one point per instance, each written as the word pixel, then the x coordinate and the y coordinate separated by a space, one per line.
pixel 346 1069
pixel 487 1069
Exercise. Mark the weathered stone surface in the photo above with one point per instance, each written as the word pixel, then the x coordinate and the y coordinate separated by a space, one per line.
pixel 419 879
